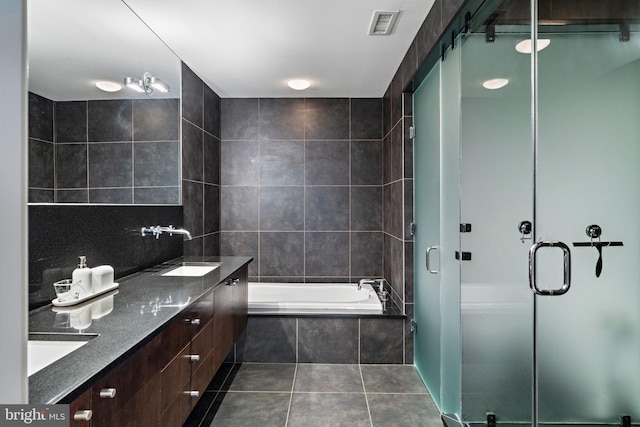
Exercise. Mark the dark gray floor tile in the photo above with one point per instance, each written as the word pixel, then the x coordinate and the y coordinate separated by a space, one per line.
pixel 403 410
pixel 251 409
pixel 263 377
pixel 392 379
pixel 328 378
pixel 328 409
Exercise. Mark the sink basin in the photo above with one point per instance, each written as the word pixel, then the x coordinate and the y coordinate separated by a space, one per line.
pixel 44 349
pixel 191 269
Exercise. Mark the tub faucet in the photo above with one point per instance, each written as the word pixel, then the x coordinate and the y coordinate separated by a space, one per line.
pixel 363 281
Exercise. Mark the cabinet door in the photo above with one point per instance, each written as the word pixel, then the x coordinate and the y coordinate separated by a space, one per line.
pixel 240 303
pixel 222 325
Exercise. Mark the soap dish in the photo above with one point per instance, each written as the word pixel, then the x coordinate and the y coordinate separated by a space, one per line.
pixel 67 303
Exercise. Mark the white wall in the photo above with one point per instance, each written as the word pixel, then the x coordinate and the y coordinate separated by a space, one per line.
pixel 13 210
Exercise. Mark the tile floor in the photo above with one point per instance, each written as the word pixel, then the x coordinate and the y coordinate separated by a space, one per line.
pixel 308 395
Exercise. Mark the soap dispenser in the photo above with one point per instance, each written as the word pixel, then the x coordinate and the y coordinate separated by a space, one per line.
pixel 81 277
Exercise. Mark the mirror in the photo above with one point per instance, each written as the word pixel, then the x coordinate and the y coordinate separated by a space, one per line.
pixel 91 146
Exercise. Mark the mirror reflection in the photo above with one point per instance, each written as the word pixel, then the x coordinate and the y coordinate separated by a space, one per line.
pixel 93 139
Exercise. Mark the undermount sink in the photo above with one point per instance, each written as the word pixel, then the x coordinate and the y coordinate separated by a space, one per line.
pixel 191 269
pixel 44 349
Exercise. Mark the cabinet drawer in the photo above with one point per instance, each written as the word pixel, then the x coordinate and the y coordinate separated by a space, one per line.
pixel 201 314
pixel 201 346
pixel 201 379
pixel 178 410
pixel 175 376
pixel 80 409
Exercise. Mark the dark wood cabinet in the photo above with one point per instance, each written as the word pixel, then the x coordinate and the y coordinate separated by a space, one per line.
pixel 161 382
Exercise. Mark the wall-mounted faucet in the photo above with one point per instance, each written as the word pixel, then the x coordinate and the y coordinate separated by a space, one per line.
pixel 363 281
pixel 158 230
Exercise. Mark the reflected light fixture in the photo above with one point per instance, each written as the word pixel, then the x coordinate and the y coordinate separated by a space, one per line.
pixel 524 46
pixel 147 84
pixel 299 84
pixel 108 86
pixel 495 84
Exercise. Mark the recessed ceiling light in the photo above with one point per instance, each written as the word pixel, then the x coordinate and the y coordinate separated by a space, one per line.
pixel 495 83
pixel 108 86
pixel 299 84
pixel 524 46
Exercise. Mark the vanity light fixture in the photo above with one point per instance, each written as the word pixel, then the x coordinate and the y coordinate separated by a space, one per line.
pixel 147 84
pixel 524 46
pixel 299 84
pixel 495 84
pixel 108 86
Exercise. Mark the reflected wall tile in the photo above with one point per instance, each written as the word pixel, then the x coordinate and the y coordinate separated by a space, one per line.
pixel 327 118
pixel 239 208
pixel 282 254
pixel 282 118
pixel 110 165
pixel 239 119
pixel 239 162
pixel 71 121
pixel 156 119
pixel 366 118
pixel 115 196
pixel 110 120
pixel 327 163
pixel 72 196
pixel 156 195
pixel 281 162
pixel 327 208
pixel 40 117
pixel 71 165
pixel 41 169
pixel 282 208
pixel 156 164
pixel 41 196
pixel 366 162
pixel 326 254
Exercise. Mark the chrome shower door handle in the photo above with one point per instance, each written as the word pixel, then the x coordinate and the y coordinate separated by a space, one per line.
pixel 428 264
pixel 566 255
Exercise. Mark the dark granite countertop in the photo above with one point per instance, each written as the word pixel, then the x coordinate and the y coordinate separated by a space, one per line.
pixel 145 303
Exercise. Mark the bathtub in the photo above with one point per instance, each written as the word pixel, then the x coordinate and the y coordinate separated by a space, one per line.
pixel 312 298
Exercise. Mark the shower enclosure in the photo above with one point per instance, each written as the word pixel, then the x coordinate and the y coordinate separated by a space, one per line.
pixel 527 198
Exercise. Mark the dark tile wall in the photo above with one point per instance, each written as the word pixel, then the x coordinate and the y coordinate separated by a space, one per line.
pixel 200 164
pixel 398 158
pixel 301 187
pixel 58 234
pixel 112 151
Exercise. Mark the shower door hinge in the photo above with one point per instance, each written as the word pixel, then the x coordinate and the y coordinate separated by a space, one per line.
pixel 625 420
pixel 465 228
pixel 491 419
pixel 412 132
pixel 464 256
pixel 413 326
pixel 412 228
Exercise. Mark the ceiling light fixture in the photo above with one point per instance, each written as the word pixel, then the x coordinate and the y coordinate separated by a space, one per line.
pixel 299 84
pixel 524 46
pixel 147 84
pixel 108 86
pixel 495 84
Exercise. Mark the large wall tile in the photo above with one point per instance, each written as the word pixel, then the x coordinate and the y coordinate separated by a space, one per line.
pixel 41 171
pixel 282 208
pixel 326 208
pixel 110 165
pixel 327 118
pixel 366 255
pixel 239 208
pixel 156 119
pixel 239 119
pixel 269 339
pixel 211 208
pixel 381 341
pixel 282 162
pixel 366 118
pixel 71 165
pixel 327 254
pixel 40 117
pixel 192 201
pixel 282 254
pixel 192 161
pixel 366 208
pixel 322 340
pixel 212 112
pixel 211 159
pixel 327 162
pixel 71 121
pixel 239 163
pixel 156 164
pixel 192 97
pixel 366 162
pixel 282 118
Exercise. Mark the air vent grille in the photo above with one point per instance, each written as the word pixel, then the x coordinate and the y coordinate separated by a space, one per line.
pixel 382 22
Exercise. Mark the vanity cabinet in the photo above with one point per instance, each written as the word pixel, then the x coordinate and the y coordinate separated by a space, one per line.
pixel 161 382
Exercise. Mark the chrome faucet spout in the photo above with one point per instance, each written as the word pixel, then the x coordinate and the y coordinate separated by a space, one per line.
pixel 363 281
pixel 158 230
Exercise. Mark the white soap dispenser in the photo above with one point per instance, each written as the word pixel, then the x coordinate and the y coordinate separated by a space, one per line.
pixel 82 277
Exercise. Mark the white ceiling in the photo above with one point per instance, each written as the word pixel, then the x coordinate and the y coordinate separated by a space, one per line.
pixel 241 48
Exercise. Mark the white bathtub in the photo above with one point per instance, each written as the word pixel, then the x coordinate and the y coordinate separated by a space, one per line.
pixel 312 298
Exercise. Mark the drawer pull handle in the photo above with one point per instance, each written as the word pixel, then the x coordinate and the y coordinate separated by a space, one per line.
pixel 108 393
pixel 195 321
pixel 233 282
pixel 194 357
pixel 193 393
pixel 82 415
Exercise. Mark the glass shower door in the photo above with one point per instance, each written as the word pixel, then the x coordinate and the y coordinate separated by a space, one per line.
pixel 587 181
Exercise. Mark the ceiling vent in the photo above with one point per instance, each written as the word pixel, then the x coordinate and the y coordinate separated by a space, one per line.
pixel 382 22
